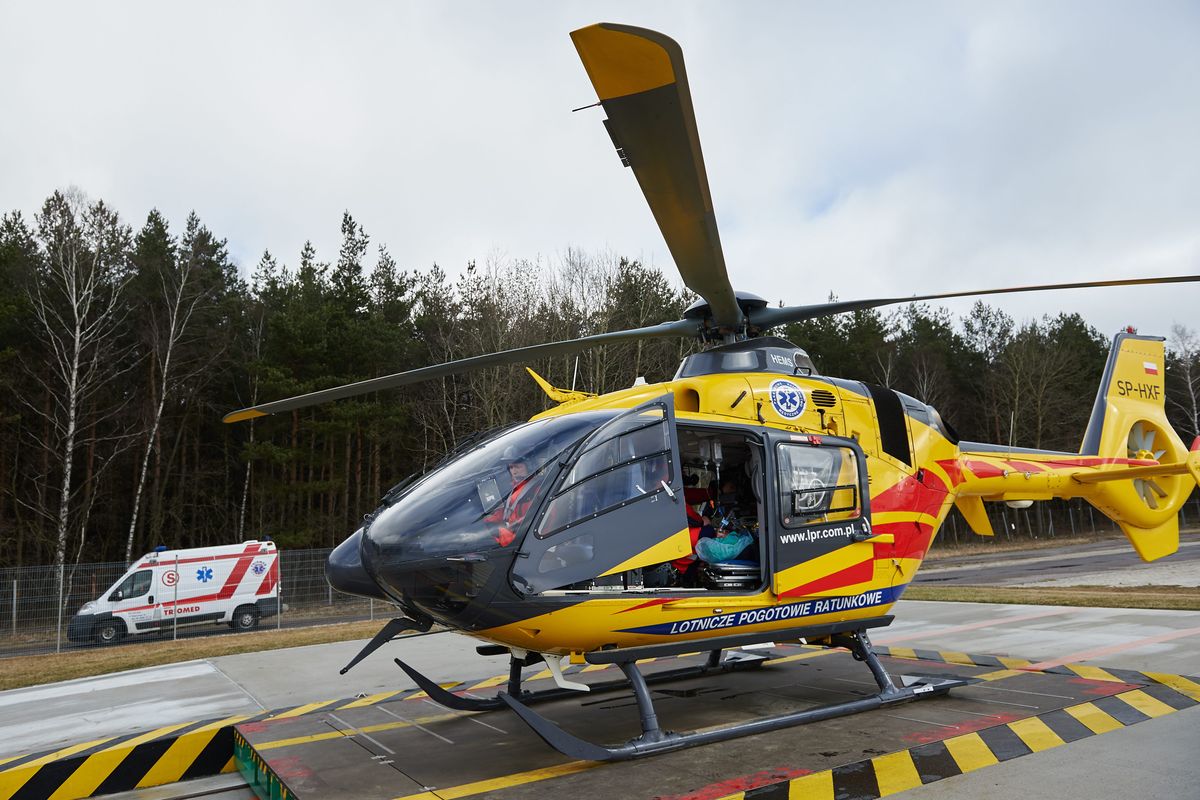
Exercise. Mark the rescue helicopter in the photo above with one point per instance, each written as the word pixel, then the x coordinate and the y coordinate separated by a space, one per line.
pixel 587 534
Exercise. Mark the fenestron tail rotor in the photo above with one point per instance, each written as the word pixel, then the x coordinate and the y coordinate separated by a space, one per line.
pixel 1141 445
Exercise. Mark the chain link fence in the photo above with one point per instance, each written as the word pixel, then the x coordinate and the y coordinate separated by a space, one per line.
pixel 1047 519
pixel 35 616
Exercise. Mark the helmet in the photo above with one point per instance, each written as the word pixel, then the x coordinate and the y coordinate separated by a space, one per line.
pixel 511 456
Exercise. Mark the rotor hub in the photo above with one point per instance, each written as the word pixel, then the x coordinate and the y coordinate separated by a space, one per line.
pixel 748 302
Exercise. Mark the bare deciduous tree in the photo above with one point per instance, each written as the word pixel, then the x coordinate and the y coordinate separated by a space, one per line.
pixel 1184 347
pixel 78 305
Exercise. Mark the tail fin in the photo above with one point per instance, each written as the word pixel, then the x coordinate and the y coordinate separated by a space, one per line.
pixel 1129 424
pixel 1132 465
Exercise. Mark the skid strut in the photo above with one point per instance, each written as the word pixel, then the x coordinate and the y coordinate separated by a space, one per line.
pixel 655 740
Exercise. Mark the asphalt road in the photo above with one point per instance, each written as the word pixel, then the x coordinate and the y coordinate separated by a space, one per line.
pixel 1076 564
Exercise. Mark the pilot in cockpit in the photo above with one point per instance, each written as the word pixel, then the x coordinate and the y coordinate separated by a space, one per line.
pixel 512 511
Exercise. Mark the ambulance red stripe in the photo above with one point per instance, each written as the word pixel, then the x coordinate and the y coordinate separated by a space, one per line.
pixel 235 577
pixel 256 548
pixel 269 579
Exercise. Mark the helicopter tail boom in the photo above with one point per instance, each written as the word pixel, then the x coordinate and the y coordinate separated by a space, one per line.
pixel 1132 465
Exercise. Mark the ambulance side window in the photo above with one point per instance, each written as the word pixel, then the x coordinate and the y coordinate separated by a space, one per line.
pixel 141 583
pixel 135 585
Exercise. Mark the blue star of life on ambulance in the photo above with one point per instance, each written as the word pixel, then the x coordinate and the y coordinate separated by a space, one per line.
pixel 204 574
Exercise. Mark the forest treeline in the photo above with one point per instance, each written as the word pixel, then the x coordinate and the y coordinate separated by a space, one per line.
pixel 122 347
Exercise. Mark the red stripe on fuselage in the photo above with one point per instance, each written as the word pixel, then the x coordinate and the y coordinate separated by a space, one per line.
pixel 861 572
pixel 911 494
pixel 1095 461
pixel 987 469
pixel 656 602
pixel 912 539
pixel 983 469
pixel 952 469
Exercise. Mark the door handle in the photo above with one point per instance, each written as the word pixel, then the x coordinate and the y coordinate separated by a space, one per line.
pixel 151 599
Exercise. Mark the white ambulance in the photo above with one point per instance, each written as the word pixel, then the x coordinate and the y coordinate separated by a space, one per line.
pixel 236 584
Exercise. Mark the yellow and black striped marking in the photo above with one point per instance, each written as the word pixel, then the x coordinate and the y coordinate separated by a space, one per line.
pixel 907 769
pixel 190 750
pixel 168 754
pixel 120 763
pixel 151 758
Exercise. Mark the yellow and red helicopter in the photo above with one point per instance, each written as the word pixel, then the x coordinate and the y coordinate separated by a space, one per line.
pixel 568 537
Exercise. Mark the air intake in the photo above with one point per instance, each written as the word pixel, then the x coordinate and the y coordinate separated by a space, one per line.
pixel 823 398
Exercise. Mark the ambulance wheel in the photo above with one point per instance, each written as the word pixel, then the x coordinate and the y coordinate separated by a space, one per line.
pixel 109 632
pixel 245 618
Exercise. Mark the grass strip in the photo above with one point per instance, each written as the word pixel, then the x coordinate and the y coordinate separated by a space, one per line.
pixel 23 671
pixel 1180 598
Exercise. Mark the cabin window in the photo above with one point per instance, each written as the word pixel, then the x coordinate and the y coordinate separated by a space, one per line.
pixel 624 462
pixel 740 362
pixel 817 484
pixel 135 585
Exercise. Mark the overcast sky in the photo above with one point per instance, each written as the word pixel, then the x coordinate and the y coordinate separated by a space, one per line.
pixel 865 149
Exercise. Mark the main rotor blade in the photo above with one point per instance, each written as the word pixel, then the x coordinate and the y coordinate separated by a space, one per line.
pixel 642 85
pixel 679 328
pixel 770 317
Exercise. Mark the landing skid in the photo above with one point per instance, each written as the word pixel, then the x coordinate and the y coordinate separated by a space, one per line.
pixel 463 703
pixel 655 740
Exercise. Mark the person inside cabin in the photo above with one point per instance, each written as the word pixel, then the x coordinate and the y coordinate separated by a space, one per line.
pixel 729 540
pixel 685 567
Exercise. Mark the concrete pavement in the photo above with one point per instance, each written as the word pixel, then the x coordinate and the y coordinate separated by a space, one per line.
pixel 1156 756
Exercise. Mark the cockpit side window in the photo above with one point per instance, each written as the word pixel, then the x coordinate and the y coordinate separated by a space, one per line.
pixel 622 462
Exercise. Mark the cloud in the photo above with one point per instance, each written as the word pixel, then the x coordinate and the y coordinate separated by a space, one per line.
pixel 868 150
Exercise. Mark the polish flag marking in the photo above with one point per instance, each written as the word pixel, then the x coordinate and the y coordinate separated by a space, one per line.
pixel 1150 367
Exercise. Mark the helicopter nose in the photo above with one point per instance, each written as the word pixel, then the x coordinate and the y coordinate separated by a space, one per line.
pixel 345 571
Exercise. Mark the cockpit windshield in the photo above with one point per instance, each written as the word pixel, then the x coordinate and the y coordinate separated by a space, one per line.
pixel 480 499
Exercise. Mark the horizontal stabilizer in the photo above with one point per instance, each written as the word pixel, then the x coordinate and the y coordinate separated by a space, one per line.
pixel 1189 465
